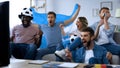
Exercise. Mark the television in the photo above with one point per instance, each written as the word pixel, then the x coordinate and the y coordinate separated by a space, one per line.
pixel 4 33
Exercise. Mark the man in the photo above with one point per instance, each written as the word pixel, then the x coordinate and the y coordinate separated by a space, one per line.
pixel 25 37
pixel 52 33
pixel 77 42
pixel 90 53
pixel 105 33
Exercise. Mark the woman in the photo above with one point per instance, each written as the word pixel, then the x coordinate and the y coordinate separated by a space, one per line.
pixel 80 23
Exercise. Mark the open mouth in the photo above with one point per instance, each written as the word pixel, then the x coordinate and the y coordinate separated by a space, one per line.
pixel 78 26
pixel 50 22
pixel 83 41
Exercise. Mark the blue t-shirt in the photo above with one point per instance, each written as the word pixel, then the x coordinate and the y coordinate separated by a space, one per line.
pixel 53 34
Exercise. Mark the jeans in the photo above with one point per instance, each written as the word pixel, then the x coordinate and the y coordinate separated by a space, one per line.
pixel 23 51
pixel 41 52
pixel 113 48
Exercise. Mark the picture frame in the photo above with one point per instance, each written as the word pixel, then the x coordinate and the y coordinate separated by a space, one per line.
pixel 107 4
pixel 117 28
pixel 39 5
pixel 95 12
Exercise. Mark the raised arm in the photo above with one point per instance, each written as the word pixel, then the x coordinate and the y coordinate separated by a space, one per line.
pixel 73 17
pixel 97 30
pixel 62 29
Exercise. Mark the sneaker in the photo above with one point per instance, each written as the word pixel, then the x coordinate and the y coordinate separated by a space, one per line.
pixel 61 54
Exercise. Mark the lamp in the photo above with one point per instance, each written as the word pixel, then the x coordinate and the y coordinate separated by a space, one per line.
pixel 117 15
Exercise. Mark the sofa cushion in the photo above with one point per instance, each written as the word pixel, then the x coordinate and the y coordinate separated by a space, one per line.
pixel 116 37
pixel 50 57
pixel 115 59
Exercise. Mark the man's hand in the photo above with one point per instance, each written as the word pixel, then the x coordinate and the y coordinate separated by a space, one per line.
pixel 107 16
pixel 100 23
pixel 109 56
pixel 68 54
pixel 79 6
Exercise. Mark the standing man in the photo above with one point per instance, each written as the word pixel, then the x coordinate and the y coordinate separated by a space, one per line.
pixel 52 33
pixel 25 37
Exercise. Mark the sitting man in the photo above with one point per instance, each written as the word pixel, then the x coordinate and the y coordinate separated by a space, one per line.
pixel 52 33
pixel 25 37
pixel 106 31
pixel 76 43
pixel 90 53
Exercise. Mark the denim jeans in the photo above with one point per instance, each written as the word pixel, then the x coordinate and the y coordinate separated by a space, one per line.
pixel 23 51
pixel 44 51
pixel 113 48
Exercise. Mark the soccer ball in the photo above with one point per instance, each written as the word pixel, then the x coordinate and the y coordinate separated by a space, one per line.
pixel 27 12
pixel 72 38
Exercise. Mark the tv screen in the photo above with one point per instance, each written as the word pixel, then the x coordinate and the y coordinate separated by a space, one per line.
pixel 4 33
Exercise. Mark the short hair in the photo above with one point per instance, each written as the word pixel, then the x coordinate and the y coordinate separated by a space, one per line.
pixel 51 12
pixel 103 8
pixel 88 29
pixel 84 21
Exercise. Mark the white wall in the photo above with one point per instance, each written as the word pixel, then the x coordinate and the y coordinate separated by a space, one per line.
pixel 64 7
pixel 3 0
pixel 87 6
pixel 16 7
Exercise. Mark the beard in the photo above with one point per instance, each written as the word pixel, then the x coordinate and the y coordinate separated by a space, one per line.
pixel 88 44
pixel 26 25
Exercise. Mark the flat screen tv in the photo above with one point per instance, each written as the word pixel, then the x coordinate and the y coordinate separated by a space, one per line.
pixel 4 33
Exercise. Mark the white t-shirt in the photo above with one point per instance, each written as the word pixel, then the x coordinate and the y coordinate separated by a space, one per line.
pixel 102 37
pixel 76 32
pixel 88 55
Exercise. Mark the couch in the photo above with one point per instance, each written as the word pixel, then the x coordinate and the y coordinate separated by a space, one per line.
pixel 50 57
pixel 115 58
